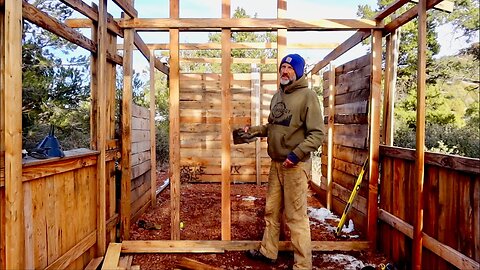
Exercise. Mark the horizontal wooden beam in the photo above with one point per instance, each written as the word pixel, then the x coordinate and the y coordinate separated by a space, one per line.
pixel 170 246
pixel 390 9
pixel 40 18
pixel 92 14
pixel 458 163
pixel 142 47
pixel 446 6
pixel 406 17
pixel 340 50
pixel 238 45
pixel 445 252
pixel 127 7
pixel 233 60
pixel 248 24
pixel 76 251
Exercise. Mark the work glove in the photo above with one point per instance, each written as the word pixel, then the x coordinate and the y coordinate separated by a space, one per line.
pixel 240 136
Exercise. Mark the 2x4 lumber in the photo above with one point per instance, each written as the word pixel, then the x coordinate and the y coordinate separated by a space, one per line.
pixel 239 45
pixel 420 136
pixel 34 15
pixel 153 156
pixel 126 6
pixel 127 94
pixel 94 263
pixel 196 246
pixel 226 124
pixel 187 263
pixel 446 6
pixel 406 17
pixel 112 256
pixel 101 122
pixel 360 35
pixel 74 253
pixel 392 51
pixel 390 9
pixel 11 136
pixel 331 126
pixel 447 253
pixel 92 14
pixel 174 126
pixel 465 164
pixel 374 135
pixel 146 53
pixel 38 17
pixel 248 24
pixel 356 38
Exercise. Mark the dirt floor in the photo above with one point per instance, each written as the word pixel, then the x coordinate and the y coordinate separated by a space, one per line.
pixel 201 217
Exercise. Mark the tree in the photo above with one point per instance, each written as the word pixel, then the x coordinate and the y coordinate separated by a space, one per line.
pixel 54 93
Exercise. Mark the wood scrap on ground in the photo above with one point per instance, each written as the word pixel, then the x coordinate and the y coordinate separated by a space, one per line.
pixel 186 263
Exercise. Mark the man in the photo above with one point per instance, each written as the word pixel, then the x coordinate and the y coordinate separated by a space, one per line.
pixel 294 130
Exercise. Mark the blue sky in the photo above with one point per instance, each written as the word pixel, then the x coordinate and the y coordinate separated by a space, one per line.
pixel 296 9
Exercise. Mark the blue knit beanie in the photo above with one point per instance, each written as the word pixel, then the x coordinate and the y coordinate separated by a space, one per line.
pixel 296 61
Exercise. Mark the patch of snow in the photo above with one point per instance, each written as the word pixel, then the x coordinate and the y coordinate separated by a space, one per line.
pixel 321 214
pixel 350 228
pixel 344 261
pixel 249 198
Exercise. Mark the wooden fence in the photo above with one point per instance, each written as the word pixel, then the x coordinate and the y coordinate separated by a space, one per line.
pixel 200 128
pixel 451 214
pixel 141 166
pixel 345 100
pixel 60 209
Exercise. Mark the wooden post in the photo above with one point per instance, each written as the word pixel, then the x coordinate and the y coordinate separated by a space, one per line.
pixel 174 140
pixel 126 125
pixel 255 117
pixel 226 122
pixel 374 138
pixel 101 122
pixel 391 62
pixel 331 127
pixel 420 136
pixel 11 136
pixel 153 148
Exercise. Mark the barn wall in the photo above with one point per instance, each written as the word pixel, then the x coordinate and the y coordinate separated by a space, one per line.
pixel 141 167
pixel 350 136
pixel 200 128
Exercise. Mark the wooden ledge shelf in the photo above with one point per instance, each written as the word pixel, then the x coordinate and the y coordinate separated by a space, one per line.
pixel 74 159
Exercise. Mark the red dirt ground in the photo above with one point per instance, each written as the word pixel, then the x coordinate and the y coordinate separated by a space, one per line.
pixel 201 215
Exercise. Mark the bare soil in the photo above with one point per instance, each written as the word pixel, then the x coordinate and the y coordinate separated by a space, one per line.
pixel 200 213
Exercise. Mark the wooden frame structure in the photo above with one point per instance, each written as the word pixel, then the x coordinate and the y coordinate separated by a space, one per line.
pixel 12 209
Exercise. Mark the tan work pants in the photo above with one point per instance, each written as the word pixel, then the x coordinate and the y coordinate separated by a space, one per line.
pixel 287 190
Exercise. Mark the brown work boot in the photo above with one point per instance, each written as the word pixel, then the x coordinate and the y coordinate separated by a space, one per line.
pixel 257 255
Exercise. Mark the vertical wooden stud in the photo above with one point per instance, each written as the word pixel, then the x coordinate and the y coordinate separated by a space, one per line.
pixel 126 125
pixel 12 134
pixel 331 127
pixel 2 135
pixel 226 122
pixel 255 117
pixel 101 122
pixel 374 138
pixel 174 141
pixel 390 77
pixel 420 136
pixel 153 154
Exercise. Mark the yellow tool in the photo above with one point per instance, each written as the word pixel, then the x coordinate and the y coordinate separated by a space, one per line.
pixel 350 200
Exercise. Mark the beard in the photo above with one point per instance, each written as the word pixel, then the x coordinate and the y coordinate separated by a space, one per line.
pixel 286 80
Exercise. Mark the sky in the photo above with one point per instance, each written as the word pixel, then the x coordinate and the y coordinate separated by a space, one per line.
pixel 298 9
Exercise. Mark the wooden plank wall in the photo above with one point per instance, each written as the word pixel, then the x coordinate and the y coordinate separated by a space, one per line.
pixel 200 128
pixel 451 206
pixel 60 213
pixel 141 166
pixel 350 136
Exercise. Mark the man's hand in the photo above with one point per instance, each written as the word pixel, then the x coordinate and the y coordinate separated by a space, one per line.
pixel 290 161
